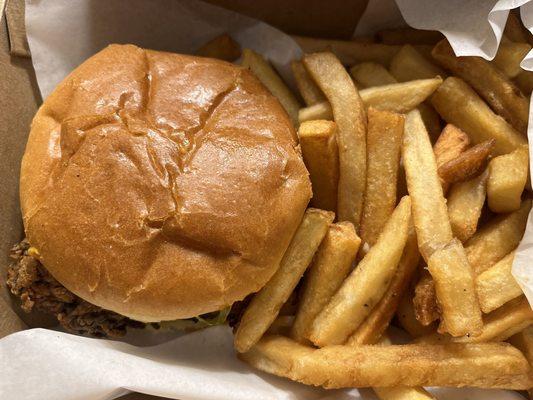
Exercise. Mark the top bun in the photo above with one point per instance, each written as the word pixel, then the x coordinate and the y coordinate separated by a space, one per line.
pixel 161 186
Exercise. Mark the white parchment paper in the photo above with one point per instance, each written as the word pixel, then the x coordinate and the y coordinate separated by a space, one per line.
pixel 44 364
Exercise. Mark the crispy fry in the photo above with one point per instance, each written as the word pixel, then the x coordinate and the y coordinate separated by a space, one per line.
pixel 384 140
pixel 486 365
pixel 290 307
pixel 465 202
pixel 400 392
pixel 403 393
pixel 467 164
pixel 407 319
pixel 377 322
pixel 310 92
pixel 425 50
pixel 366 285
pixel 491 84
pixel 509 57
pixel 370 74
pixel 273 82
pixel 265 305
pixel 498 326
pixel 425 300
pixel 408 64
pixel 222 47
pixel 514 30
pixel 458 104
pixel 496 286
pixel 503 322
pixel 400 97
pixel 507 179
pixel 349 52
pixel 496 239
pixel 409 36
pixel 454 285
pixel 524 80
pixel 350 116
pixel 429 206
pixel 523 341
pixel 281 325
pixel 332 263
pixel 320 153
pixel 315 112
pixel 431 120
pixel 451 142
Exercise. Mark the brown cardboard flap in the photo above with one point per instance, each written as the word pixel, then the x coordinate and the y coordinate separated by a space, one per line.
pixel 16 28
pixel 319 18
pixel 18 104
pixel 9 321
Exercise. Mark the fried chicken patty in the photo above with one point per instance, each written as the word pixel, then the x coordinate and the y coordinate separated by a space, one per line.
pixel 38 290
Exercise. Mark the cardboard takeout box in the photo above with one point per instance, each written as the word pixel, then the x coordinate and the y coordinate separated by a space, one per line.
pixel 20 98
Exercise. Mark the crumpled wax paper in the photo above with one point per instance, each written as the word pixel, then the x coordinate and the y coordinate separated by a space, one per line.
pixel 44 364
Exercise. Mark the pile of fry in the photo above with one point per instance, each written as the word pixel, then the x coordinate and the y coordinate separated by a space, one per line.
pixel 421 194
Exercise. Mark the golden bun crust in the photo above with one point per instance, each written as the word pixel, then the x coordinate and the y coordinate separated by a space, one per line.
pixel 161 186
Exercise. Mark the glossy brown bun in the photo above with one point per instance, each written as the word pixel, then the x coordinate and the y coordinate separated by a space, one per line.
pixel 161 186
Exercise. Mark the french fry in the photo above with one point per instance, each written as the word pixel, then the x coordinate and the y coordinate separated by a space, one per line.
pixel 290 307
pixel 315 112
pixel 454 285
pixel 465 202
pixel 425 50
pixel 431 120
pixel 458 104
pixel 310 92
pixel 409 36
pixel 408 64
pixel 400 392
pixel 524 80
pixel 485 365
pixel 222 47
pixel 350 116
pixel 332 263
pixel 281 325
pixel 523 341
pixel 496 286
pixel 320 153
pixel 273 82
pixel 467 164
pixel 507 179
pixel 377 322
pixel 366 285
pixel 403 393
pixel 398 97
pixel 370 74
pixel 430 214
pixel 503 322
pixel 491 84
pixel 451 142
pixel 407 319
pixel 514 30
pixel 265 305
pixel 509 57
pixel 425 300
pixel 498 326
pixel 496 239
pixel 384 140
pixel 349 52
